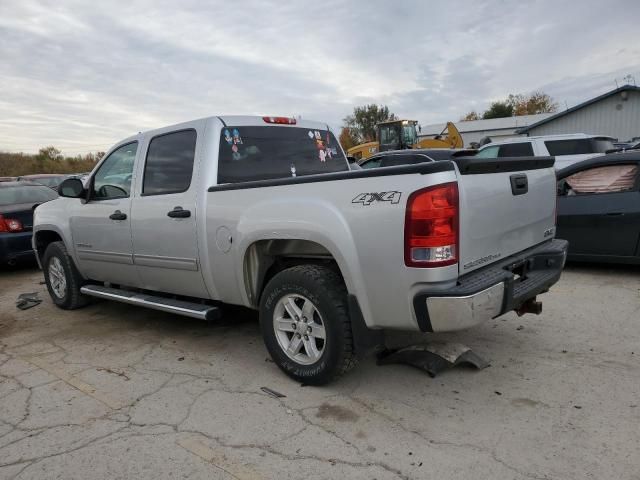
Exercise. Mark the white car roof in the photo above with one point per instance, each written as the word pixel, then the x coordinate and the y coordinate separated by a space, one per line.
pixel 566 136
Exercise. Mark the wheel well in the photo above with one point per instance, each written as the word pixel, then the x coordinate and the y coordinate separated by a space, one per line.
pixel 266 258
pixel 43 239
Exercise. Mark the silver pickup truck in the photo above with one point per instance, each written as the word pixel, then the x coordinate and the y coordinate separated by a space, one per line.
pixel 264 212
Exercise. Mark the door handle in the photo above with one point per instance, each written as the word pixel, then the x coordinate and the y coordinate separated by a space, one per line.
pixel 118 215
pixel 615 214
pixel 179 212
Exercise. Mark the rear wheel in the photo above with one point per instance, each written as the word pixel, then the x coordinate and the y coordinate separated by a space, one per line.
pixel 62 278
pixel 305 324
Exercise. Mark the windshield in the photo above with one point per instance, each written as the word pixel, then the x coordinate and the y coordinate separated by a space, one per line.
pixel 18 194
pixel 262 153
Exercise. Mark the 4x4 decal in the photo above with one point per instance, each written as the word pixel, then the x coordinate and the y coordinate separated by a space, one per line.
pixel 369 198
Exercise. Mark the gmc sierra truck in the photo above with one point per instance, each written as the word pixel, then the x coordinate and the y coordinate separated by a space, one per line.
pixel 264 212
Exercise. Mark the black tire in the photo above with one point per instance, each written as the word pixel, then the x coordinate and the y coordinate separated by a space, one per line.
pixel 326 290
pixel 72 297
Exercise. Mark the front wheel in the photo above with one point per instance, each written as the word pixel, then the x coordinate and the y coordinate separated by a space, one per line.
pixel 62 278
pixel 305 324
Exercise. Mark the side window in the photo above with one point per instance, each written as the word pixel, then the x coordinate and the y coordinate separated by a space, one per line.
pixel 169 164
pixel 113 178
pixel 371 163
pixel 489 152
pixel 607 179
pixel 523 149
pixel 569 147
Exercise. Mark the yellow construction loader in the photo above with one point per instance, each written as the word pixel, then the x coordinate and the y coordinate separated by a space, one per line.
pixel 403 134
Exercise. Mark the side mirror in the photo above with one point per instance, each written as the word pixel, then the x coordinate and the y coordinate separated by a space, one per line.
pixel 71 188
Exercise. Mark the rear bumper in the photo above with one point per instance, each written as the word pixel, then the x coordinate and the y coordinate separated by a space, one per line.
pixel 491 291
pixel 15 246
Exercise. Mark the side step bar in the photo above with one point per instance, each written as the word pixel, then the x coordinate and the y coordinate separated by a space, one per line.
pixel 179 307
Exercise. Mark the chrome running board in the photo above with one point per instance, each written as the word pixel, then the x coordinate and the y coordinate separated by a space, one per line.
pixel 170 305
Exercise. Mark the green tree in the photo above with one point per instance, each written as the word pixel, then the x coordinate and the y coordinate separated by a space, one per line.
pixel 498 110
pixel 362 123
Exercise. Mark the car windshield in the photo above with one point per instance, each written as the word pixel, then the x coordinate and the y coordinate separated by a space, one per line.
pixel 262 153
pixel 18 194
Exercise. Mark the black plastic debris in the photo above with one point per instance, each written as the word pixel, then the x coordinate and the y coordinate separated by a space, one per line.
pixel 28 300
pixel 433 357
pixel 273 393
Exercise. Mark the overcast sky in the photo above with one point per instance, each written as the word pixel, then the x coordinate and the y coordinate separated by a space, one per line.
pixel 82 75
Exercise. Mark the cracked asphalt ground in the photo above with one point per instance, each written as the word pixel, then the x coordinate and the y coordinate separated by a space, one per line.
pixel 113 391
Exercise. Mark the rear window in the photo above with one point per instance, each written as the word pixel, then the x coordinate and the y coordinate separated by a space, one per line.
pixel 578 146
pixel 26 194
pixel 516 150
pixel 263 153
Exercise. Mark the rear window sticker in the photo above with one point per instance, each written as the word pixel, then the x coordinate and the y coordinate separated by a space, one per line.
pixel 310 134
pixel 318 136
pixel 227 136
pixel 237 139
pixel 322 155
pixel 234 148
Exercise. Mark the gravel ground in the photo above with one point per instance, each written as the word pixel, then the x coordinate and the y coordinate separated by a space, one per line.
pixel 113 391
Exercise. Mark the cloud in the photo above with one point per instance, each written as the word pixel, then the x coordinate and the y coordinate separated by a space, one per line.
pixel 83 75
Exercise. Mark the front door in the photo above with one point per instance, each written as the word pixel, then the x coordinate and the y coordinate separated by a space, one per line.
pixel 101 227
pixel 164 217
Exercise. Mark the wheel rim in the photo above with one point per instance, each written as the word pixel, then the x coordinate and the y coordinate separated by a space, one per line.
pixel 299 329
pixel 57 278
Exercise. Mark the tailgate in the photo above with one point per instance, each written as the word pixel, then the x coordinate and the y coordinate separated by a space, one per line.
pixel 506 206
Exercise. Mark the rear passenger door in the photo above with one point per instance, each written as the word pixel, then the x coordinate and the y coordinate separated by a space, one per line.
pixel 164 215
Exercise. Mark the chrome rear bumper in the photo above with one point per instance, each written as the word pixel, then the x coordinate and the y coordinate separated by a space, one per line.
pixel 491 291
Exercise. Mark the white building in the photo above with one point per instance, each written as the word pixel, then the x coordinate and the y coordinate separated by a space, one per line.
pixel 615 114
pixel 494 128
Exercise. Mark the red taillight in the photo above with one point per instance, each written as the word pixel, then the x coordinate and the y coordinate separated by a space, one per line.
pixel 280 120
pixel 431 227
pixel 10 225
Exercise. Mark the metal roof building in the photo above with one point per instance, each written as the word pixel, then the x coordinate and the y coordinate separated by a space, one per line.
pixel 615 114
pixel 495 128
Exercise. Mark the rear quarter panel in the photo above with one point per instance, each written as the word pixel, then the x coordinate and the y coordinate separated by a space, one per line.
pixel 366 240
